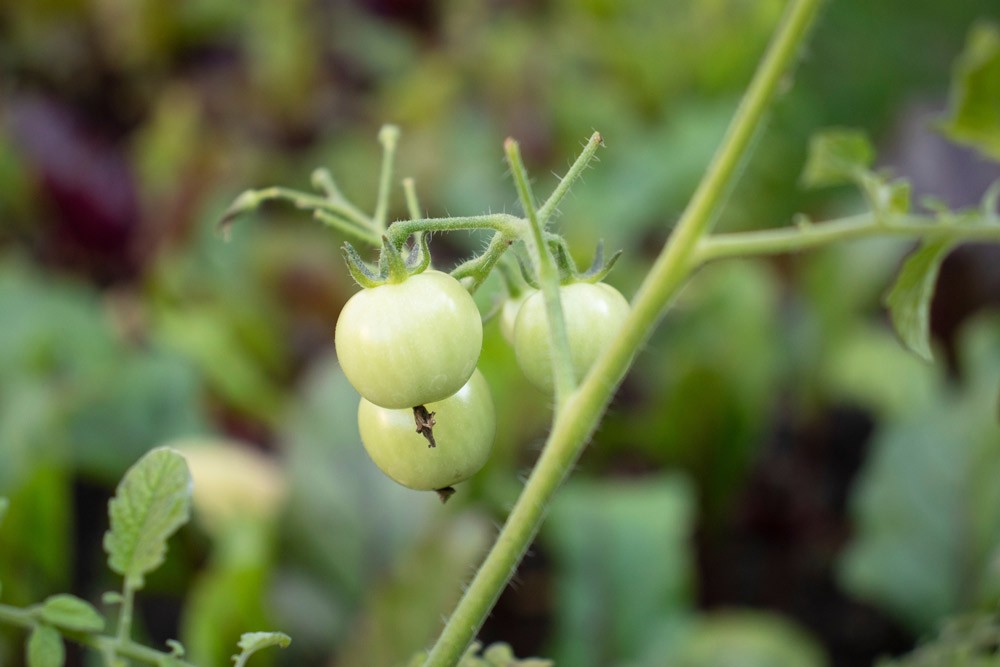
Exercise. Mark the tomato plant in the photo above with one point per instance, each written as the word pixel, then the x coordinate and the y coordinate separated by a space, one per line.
pixel 409 343
pixel 464 430
pixel 594 313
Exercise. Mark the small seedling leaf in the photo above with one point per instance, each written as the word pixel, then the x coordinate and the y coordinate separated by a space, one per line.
pixel 974 111
pixel 45 648
pixel 251 642
pixel 72 613
pixel 909 299
pixel 152 501
pixel 837 156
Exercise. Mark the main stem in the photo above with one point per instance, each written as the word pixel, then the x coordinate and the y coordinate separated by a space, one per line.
pixel 583 410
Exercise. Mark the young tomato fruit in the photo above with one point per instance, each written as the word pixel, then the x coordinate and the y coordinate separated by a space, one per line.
pixel 464 431
pixel 593 313
pixel 409 343
pixel 508 314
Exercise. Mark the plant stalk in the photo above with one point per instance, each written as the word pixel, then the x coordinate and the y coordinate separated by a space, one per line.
pixel 578 418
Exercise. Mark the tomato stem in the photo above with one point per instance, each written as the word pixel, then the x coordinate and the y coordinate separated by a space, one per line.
pixel 548 277
pixel 579 416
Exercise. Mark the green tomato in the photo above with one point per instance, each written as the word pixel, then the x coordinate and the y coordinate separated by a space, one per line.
pixel 465 425
pixel 409 343
pixel 593 312
pixel 508 313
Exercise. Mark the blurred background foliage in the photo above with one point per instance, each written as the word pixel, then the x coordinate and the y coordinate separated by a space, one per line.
pixel 778 482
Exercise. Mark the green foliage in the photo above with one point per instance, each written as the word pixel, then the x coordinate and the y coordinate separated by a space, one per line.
pixel 974 116
pixel 971 640
pixel 494 655
pixel 747 639
pixel 45 647
pixel 927 506
pixel 837 156
pixel 71 613
pixel 251 642
pixel 601 532
pixel 152 501
pixel 909 299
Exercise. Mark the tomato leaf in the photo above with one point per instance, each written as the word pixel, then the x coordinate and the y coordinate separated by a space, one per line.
pixel 909 299
pixel 71 613
pixel 152 501
pixel 974 116
pixel 837 156
pixel 926 507
pixel 251 642
pixel 45 648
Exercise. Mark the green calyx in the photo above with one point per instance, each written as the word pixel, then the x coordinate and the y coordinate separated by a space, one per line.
pixel 569 272
pixel 394 264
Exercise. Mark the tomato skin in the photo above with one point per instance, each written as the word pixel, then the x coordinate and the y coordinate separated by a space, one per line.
pixel 593 312
pixel 464 432
pixel 409 343
pixel 508 314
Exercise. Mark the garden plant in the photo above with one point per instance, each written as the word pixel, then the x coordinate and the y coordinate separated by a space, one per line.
pixel 409 340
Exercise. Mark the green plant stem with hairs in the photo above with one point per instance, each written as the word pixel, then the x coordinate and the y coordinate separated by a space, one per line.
pixel 577 417
pixel 579 407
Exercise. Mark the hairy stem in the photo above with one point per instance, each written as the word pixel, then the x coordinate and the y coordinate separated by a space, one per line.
pixel 548 278
pixel 578 418
pixel 479 268
pixel 388 136
pixel 400 230
pixel 575 171
pixel 792 239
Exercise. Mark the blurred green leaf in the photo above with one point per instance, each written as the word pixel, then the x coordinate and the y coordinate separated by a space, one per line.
pixel 867 367
pixel 747 639
pixel 927 505
pixel 837 156
pixel 909 298
pixel 624 566
pixel 152 501
pixel 967 641
pixel 231 593
pixel 974 116
pixel 45 648
pixel 4 504
pixel 72 613
pixel 405 608
pixel 347 524
pixel 148 397
pixel 36 549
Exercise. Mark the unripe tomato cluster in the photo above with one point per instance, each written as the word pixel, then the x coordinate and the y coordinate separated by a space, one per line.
pixel 410 348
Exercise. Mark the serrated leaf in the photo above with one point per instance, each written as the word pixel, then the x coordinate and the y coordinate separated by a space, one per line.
pixel 837 156
pixel 70 612
pixel 909 299
pixel 152 501
pixel 251 642
pixel 974 113
pixel 45 648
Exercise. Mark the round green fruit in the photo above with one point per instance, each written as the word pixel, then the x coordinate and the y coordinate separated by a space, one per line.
pixel 465 425
pixel 593 312
pixel 409 343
